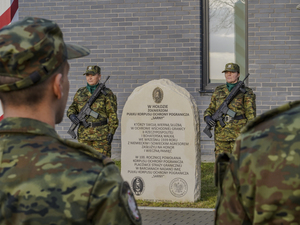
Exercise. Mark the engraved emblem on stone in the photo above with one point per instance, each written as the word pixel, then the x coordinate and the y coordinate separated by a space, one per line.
pixel 178 187
pixel 138 185
pixel 158 95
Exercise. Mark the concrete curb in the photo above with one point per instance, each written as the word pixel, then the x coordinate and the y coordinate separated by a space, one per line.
pixel 174 209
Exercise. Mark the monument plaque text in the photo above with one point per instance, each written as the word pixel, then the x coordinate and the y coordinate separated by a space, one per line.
pixel 160 143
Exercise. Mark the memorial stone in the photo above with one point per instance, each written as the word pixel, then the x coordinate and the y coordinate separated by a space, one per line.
pixel 160 155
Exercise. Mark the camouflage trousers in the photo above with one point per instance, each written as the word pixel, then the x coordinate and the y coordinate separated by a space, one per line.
pixel 223 146
pixel 100 146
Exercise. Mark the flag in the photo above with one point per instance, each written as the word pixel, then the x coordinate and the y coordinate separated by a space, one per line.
pixel 9 12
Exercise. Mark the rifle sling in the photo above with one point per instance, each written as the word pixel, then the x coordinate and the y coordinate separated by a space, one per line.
pixel 97 124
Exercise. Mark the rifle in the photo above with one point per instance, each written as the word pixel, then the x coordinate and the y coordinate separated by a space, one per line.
pixel 87 111
pixel 223 109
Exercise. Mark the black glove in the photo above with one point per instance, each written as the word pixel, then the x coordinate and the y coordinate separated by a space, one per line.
pixel 74 119
pixel 109 138
pixel 210 121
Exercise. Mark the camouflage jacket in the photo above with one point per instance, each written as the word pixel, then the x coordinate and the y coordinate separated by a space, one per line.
pixel 242 104
pixel 105 105
pixel 48 180
pixel 262 183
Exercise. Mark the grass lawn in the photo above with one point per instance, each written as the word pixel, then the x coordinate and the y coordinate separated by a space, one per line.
pixel 208 191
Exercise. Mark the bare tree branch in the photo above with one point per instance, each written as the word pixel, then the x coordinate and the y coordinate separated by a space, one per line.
pixel 221 14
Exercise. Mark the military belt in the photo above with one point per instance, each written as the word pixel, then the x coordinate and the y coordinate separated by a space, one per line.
pixel 229 118
pixel 97 124
pixel 239 117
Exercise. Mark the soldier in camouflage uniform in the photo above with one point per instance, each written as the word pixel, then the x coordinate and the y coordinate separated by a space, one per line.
pixel 101 130
pixel 262 185
pixel 243 104
pixel 45 179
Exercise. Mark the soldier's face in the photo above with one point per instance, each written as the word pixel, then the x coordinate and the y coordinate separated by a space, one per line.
pixel 93 79
pixel 232 77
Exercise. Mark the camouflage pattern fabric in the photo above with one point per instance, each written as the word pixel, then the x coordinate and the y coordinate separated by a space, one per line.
pixel 101 146
pixel 223 146
pixel 105 105
pixel 31 50
pixel 242 104
pixel 262 183
pixel 232 67
pixel 94 69
pixel 48 180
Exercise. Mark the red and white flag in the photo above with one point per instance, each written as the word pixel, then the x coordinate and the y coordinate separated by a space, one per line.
pixel 9 12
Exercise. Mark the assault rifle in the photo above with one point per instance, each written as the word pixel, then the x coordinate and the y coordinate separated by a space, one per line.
pixel 86 110
pixel 223 110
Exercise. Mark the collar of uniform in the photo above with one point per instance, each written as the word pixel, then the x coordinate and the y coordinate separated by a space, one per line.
pixel 92 88
pixel 26 125
pixel 230 86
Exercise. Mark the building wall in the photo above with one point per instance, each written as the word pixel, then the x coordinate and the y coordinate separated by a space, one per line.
pixel 135 41
pixel 274 52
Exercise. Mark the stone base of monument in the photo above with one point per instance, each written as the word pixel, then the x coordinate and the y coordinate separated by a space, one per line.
pixel 160 138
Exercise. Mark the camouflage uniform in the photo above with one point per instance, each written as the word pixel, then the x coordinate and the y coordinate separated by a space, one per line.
pixel 106 106
pixel 47 180
pixel 262 183
pixel 43 178
pixel 242 104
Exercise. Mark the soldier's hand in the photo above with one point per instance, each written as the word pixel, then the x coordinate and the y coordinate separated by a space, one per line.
pixel 210 121
pixel 74 119
pixel 109 138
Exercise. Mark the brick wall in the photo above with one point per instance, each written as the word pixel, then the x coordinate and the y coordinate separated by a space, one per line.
pixel 133 41
pixel 274 52
pixel 273 55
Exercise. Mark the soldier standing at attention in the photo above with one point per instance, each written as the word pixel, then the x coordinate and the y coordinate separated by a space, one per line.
pixel 45 179
pixel 262 185
pixel 101 130
pixel 243 104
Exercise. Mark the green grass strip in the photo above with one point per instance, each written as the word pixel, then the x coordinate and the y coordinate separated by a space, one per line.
pixel 208 191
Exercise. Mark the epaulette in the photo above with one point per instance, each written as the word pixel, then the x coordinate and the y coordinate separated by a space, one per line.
pixel 88 150
pixel 269 115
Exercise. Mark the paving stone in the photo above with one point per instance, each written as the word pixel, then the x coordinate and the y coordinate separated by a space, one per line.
pixel 176 216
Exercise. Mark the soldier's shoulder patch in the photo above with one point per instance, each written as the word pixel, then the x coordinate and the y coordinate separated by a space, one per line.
pixel 129 203
pixel 269 115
